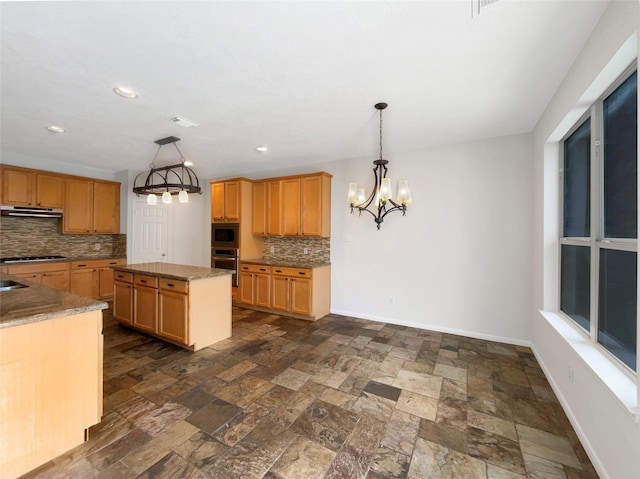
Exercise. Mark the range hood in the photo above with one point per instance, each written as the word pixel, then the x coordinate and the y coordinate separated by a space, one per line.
pixel 30 212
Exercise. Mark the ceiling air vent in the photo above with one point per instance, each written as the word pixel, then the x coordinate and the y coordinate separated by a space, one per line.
pixel 178 120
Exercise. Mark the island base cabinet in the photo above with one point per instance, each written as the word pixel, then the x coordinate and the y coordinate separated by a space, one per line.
pixel 190 313
pixel 145 309
pixel 51 378
pixel 123 302
pixel 174 308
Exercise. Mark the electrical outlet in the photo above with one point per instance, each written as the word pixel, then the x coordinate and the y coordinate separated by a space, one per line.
pixel 96 246
pixel 305 251
pixel 570 373
pixel 392 301
pixel 272 249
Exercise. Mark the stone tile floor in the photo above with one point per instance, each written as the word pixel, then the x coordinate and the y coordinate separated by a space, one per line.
pixel 338 398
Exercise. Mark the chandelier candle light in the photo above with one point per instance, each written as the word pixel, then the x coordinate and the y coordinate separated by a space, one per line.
pixel 381 196
pixel 176 179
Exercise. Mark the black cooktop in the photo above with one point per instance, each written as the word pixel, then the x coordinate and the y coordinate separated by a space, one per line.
pixel 27 259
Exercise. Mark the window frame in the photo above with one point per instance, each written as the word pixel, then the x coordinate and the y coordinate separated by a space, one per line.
pixel 596 241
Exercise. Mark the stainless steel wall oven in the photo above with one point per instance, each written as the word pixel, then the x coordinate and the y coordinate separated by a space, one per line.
pixel 225 242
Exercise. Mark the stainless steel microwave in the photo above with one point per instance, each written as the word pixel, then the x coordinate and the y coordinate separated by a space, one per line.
pixel 225 234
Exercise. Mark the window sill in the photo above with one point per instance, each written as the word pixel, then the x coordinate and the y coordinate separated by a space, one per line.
pixel 621 386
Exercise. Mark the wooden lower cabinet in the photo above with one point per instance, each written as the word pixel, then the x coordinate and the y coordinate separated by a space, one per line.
pixel 145 308
pixel 292 295
pixel 53 275
pixel 255 285
pixel 173 322
pixel 93 278
pixel 123 302
pixel 300 292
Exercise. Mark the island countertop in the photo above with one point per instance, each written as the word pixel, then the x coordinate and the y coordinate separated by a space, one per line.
pixel 174 271
pixel 39 303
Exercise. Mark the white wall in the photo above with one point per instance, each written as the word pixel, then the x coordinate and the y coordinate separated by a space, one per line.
pixel 460 260
pixel 605 425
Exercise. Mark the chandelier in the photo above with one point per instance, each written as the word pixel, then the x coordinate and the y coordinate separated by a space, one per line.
pixel 380 198
pixel 176 179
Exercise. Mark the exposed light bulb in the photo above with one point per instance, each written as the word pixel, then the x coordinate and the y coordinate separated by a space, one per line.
pixel 183 197
pixel 385 189
pixel 261 149
pixel 152 199
pixel 187 163
pixel 55 129
pixel 166 197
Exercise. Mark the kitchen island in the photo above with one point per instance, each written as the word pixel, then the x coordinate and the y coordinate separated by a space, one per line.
pixel 51 353
pixel 186 305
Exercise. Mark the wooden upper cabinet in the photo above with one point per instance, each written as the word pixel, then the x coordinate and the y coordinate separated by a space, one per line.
pixel 18 186
pixel 315 205
pixel 293 206
pixel 217 202
pixel 274 208
pixel 232 200
pixel 106 207
pixel 259 226
pixel 78 206
pixel 49 190
pixel 26 187
pixel 226 201
pixel 91 207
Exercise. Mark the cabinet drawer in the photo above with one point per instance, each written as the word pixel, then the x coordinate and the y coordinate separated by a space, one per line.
pixel 123 276
pixel 255 268
pixel 145 280
pixel 297 272
pixel 37 268
pixel 176 285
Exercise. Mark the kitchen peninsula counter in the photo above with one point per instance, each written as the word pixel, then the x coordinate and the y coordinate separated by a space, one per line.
pixel 186 305
pixel 51 356
pixel 38 303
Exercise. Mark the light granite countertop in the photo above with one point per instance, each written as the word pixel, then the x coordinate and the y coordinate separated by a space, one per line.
pixel 286 263
pixel 39 303
pixel 174 271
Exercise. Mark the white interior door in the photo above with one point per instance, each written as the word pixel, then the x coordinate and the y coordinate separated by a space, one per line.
pixel 150 232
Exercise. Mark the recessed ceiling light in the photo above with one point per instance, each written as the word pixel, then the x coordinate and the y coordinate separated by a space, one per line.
pixel 55 129
pixel 125 92
pixel 261 149
pixel 179 120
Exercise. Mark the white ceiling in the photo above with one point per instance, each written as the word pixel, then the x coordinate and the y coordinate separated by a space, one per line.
pixel 298 77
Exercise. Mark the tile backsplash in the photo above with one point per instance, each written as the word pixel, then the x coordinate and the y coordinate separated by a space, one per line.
pixel 293 249
pixel 41 236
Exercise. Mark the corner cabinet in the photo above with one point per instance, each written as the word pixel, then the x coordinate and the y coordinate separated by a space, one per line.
pixel 293 206
pixel 94 278
pixel 91 207
pixel 303 293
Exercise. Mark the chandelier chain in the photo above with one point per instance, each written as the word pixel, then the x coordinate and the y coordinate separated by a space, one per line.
pixel 380 134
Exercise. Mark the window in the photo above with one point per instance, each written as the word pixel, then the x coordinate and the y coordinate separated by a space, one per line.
pixel 598 248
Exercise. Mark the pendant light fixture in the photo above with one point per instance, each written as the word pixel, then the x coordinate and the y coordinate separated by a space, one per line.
pixel 381 196
pixel 176 179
